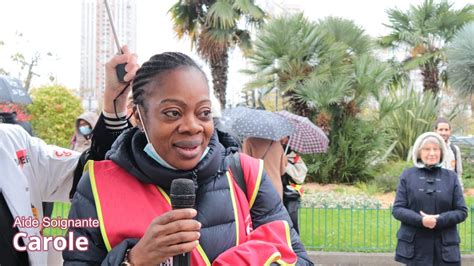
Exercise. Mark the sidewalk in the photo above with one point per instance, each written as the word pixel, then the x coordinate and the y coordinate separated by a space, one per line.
pixel 353 259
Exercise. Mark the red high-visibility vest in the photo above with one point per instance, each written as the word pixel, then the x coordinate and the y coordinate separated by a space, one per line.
pixel 125 208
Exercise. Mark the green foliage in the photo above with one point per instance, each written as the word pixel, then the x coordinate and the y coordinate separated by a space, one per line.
pixel 423 30
pixel 467 155
pixel 387 175
pixel 468 169
pixel 344 31
pixel 288 47
pixel 214 28
pixel 327 73
pixel 460 55
pixel 369 188
pixel 414 114
pixel 362 229
pixel 54 111
pixel 468 183
pixel 351 157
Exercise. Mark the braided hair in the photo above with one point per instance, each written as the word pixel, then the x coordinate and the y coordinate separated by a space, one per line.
pixel 152 69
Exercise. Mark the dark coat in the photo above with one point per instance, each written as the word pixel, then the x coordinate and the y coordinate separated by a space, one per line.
pixel 212 194
pixel 433 191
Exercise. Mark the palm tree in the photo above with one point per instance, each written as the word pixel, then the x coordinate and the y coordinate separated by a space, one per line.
pixel 214 27
pixel 286 51
pixel 460 54
pixel 290 50
pixel 424 30
pixel 327 72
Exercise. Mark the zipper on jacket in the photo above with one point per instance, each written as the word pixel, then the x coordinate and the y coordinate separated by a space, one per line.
pixel 194 177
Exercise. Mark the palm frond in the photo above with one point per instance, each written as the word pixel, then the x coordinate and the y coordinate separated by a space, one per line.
pixel 413 114
pixel 221 15
pixel 422 60
pixel 460 54
pixel 399 20
pixel 285 46
pixel 185 20
pixel 319 93
pixel 213 42
pixel 428 23
pixel 254 12
pixel 371 76
pixel 244 40
pixel 347 32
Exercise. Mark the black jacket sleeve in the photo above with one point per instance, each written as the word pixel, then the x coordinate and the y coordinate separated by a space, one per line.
pixel 459 212
pixel 102 140
pixel 401 210
pixel 83 207
pixel 268 207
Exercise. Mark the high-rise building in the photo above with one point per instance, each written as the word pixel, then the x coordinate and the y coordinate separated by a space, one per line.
pixel 98 43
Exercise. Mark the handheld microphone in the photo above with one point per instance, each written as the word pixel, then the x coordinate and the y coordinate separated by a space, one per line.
pixel 182 195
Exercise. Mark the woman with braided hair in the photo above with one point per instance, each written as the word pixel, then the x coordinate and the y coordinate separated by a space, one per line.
pixel 232 223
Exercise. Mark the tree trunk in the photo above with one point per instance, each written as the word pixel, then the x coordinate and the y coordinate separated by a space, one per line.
pixel 29 77
pixel 219 68
pixel 472 105
pixel 430 78
pixel 296 106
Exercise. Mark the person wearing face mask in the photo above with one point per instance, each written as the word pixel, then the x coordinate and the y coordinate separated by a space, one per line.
pixel 175 138
pixel 34 172
pixel 429 204
pixel 83 133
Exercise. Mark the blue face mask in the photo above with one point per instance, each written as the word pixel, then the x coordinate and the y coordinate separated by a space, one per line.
pixel 150 150
pixel 85 130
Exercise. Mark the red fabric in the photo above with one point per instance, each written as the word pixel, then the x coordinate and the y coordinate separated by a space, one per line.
pixel 250 167
pixel 296 159
pixel 128 206
pixel 268 243
pixel 244 218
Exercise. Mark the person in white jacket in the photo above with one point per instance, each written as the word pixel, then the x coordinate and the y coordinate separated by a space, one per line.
pixel 292 179
pixel 453 160
pixel 33 172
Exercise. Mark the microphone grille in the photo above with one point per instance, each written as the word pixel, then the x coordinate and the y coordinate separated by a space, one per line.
pixel 182 193
pixel 182 186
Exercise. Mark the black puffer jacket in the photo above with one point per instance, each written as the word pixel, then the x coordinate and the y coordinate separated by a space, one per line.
pixel 217 232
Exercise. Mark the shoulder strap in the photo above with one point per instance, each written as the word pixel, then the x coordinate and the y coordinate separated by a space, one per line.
pixel 247 173
pixel 237 173
pixel 453 148
pixel 268 148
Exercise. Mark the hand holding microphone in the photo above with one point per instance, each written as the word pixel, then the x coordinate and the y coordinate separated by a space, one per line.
pixel 173 234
